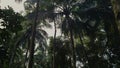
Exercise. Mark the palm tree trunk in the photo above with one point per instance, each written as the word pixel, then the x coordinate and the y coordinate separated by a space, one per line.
pixel 54 43
pixel 73 49
pixel 72 43
pixel 32 40
pixel 28 47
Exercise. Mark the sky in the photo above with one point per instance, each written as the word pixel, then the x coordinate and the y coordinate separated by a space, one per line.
pixel 19 7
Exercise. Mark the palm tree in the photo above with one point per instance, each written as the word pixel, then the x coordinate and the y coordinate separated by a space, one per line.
pixel 32 41
pixel 34 34
pixel 85 13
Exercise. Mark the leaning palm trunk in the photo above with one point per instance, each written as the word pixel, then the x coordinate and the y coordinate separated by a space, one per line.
pixel 32 39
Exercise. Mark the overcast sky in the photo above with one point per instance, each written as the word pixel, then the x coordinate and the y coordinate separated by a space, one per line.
pixel 18 7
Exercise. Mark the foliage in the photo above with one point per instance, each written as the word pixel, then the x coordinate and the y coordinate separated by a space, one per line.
pixel 10 29
pixel 90 34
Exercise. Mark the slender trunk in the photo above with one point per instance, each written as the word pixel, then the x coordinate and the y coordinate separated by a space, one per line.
pixel 32 40
pixel 54 43
pixel 72 43
pixel 25 58
pixel 73 49
pixel 27 53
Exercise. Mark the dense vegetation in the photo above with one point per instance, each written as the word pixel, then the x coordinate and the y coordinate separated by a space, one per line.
pixel 90 34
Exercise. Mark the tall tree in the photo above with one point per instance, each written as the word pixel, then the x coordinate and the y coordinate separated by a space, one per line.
pixel 32 44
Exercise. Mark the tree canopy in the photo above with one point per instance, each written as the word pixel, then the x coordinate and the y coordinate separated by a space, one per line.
pixel 90 34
